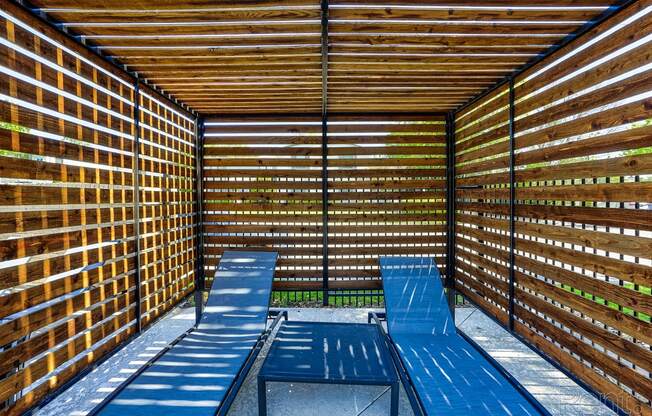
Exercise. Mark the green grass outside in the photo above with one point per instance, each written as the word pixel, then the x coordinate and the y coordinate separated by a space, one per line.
pixel 640 315
pixel 314 299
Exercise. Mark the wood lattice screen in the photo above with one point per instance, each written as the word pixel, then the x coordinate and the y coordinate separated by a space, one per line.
pixel 583 207
pixel 262 190
pixel 68 286
pixel 168 206
pixel 386 194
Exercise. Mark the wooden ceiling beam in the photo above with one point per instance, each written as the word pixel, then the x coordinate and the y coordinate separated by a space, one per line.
pixel 219 55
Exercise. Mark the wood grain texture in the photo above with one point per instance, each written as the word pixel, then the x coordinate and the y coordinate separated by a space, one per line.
pixel 582 242
pixel 383 57
pixel 386 193
pixel 68 269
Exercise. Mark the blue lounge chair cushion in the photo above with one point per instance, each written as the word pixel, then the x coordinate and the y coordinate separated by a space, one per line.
pixel 192 378
pixel 450 376
pixel 413 289
pixel 240 294
pixel 453 378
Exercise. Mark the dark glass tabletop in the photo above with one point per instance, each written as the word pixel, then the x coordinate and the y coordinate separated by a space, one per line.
pixel 319 352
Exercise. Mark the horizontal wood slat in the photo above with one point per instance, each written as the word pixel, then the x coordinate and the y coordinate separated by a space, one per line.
pixel 583 240
pixel 259 58
pixel 68 260
pixel 386 194
pixel 355 201
pixel 276 204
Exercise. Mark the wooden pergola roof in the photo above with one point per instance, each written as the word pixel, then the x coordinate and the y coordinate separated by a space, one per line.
pixel 266 56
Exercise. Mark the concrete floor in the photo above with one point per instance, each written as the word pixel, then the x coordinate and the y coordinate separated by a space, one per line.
pixel 554 390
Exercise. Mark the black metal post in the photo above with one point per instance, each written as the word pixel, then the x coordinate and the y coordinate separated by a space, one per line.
pixel 136 196
pixel 199 230
pixel 324 146
pixel 512 195
pixel 450 210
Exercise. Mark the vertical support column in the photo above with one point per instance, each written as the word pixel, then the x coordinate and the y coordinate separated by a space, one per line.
pixel 324 207
pixel 136 210
pixel 512 195
pixel 200 278
pixel 450 210
pixel 324 146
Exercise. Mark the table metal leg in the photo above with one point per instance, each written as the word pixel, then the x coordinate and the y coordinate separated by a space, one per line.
pixel 393 409
pixel 262 397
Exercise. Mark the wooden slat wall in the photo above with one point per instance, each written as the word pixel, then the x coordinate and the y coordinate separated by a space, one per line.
pixel 67 244
pixel 386 194
pixel 262 191
pixel 583 207
pixel 481 249
pixel 167 201
pixel 583 141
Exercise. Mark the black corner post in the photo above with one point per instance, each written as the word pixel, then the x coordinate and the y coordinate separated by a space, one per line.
pixel 512 196
pixel 450 210
pixel 324 146
pixel 200 277
pixel 136 197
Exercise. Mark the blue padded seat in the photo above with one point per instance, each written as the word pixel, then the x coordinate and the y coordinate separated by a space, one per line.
pixel 193 377
pixel 449 375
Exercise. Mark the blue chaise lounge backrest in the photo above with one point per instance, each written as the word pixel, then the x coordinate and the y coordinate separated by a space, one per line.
pixel 193 377
pixel 416 303
pixel 240 292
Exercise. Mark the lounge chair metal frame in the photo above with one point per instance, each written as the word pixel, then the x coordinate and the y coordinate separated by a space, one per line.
pixel 415 401
pixel 417 406
pixel 224 406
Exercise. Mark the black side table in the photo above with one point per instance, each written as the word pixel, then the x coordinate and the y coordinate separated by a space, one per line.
pixel 331 353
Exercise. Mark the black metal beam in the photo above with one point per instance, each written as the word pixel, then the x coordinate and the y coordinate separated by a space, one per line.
pixel 199 252
pixel 324 146
pixel 588 26
pixel 512 197
pixel 271 116
pixel 450 210
pixel 136 210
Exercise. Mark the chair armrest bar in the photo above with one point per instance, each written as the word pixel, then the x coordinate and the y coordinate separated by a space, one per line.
pixel 415 402
pixel 224 407
pixel 276 316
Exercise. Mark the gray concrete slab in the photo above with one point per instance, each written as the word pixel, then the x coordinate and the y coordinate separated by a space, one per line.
pixel 556 391
pixel 92 389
